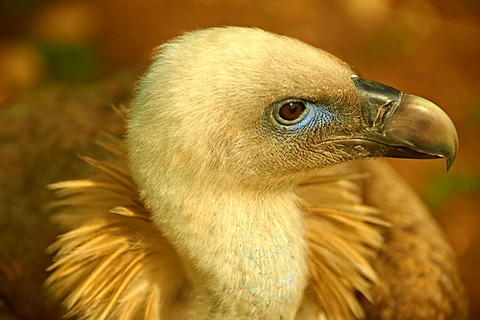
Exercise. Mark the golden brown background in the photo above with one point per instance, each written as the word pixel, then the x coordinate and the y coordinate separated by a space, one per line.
pixel 60 58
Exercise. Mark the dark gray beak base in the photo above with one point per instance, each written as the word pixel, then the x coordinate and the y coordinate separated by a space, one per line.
pixel 403 125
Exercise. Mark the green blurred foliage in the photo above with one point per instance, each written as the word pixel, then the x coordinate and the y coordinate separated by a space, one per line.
pixel 450 185
pixel 72 62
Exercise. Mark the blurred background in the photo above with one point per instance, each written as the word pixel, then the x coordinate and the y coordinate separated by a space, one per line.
pixel 63 63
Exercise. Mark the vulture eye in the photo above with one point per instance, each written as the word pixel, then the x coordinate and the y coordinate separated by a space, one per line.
pixel 290 111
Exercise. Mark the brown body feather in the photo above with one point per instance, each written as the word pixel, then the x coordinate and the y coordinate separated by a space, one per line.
pixel 418 271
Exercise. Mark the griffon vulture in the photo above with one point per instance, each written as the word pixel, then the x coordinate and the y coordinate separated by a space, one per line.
pixel 235 194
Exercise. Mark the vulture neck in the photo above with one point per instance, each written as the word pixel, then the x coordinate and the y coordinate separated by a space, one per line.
pixel 244 251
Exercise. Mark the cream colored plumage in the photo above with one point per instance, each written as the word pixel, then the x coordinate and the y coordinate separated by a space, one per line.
pixel 223 206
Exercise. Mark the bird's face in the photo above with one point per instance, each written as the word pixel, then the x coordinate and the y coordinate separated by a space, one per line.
pixel 242 105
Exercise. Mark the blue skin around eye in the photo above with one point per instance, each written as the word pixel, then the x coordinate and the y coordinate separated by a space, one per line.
pixel 317 116
pixel 323 116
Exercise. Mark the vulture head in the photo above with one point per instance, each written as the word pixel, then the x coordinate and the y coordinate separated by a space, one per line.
pixel 224 126
pixel 244 108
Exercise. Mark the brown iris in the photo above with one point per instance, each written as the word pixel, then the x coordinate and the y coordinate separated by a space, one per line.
pixel 291 110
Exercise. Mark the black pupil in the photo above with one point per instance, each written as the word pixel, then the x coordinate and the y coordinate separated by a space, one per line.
pixel 291 110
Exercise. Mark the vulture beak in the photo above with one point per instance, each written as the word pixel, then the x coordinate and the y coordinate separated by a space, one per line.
pixel 402 125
